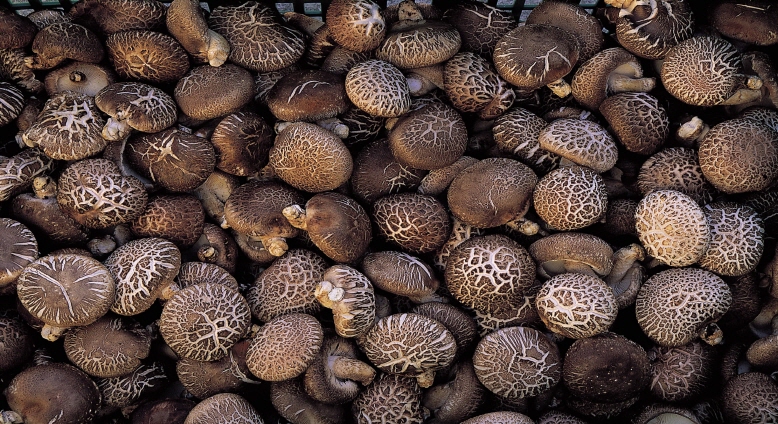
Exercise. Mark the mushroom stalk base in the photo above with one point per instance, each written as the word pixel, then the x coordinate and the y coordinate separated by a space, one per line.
pixel 620 83
pixel 52 333
pixel 346 368
pixel 560 88
pixel 743 96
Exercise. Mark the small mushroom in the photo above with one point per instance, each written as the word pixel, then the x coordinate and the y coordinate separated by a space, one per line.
pixel 177 218
pixel 307 95
pixel 284 347
pixel 134 106
pixel 412 221
pixel 610 71
pixel 18 343
pixel 82 77
pixel 458 397
pixel 576 305
pixel 11 102
pixel 13 69
pixel 570 198
pixel 162 411
pixel 126 391
pixel 473 85
pixel 208 92
pixel 226 407
pixel 378 88
pixel 337 375
pixel 431 137
pixel 351 297
pixel 516 134
pixel 455 319
pixel 581 141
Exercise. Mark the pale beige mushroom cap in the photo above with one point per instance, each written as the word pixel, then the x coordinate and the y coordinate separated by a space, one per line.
pixel 357 25
pixel 378 88
pixel 581 141
pixel 737 239
pixel 283 348
pixel 570 198
pixel 576 305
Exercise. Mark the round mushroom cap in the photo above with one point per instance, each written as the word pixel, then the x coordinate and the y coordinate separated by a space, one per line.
pixel 737 239
pixel 208 92
pixel 400 273
pixel 61 41
pixel 594 79
pixel 18 342
pixel 639 122
pixel 574 19
pixel 191 273
pixel 680 373
pixel 480 25
pixel 147 56
pixel 177 218
pixel 752 22
pixel 54 392
pixel 473 85
pixel 581 141
pixel 255 209
pixel 284 347
pixel 750 397
pixel 16 31
pixel 606 368
pixel 501 417
pixel 491 192
pixel 310 158
pixel 357 25
pixel 531 56
pixel 119 15
pixel 378 88
pixel 570 198
pixel 431 137
pixel 242 142
pixel 390 398
pixel 517 362
pixel 82 77
pixel 572 252
pixel 11 102
pixel 308 95
pixel 376 173
pixel 414 222
pixel 576 305
pixel 675 305
pixel 259 40
pixel 20 248
pixel 650 30
pixel 672 227
pixel 128 390
pixel 740 155
pixel 416 43
pixel 135 105
pixel 675 168
pixel 455 319
pixel 224 408
pixel 516 134
pixel 204 321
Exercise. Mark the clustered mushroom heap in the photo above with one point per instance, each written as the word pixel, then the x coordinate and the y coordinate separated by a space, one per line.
pixel 397 214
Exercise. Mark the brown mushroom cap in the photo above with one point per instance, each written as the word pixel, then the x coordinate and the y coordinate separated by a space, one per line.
pixel 581 141
pixel 516 134
pixel 135 106
pixel 224 407
pixel 147 56
pixel 431 137
pixel 750 397
pixel 499 418
pixel 651 30
pixel 16 31
pixel 415 222
pixel 242 141
pixel 679 373
pixel 357 25
pixel 337 374
pixel 400 273
pixel 120 15
pixel 574 19
pixel 284 347
pixel 307 95
pixel 391 397
pixel 480 25
pixel 229 374
pixel 11 102
pixel 456 320
pixel 178 218
pixel 378 88
pixel 753 22
pixel 351 297
pixel 18 172
pixel 376 173
pixel 473 85
pixel 20 248
pixel 675 168
pixel 127 390
pixel 207 92
pixel 19 342
pixel 570 198
pixel 82 77
pixel 639 122
pixel 45 17
pixel 162 411
pixel 610 70
pixel 572 252
pixel 737 239
pixel 576 305
pixel 61 41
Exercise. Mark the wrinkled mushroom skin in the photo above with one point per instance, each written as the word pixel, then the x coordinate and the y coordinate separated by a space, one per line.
pixel 61 41
pixel 185 21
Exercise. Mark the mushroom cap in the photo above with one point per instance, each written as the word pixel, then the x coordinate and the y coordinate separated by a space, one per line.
pixel 581 141
pixel 639 122
pixel 437 181
pixel 650 30
pixel 517 362
pixel 516 134
pixel 753 22
pixel 351 297
pixel 142 268
pixel 196 272
pixel 259 40
pixel 120 15
pixel 480 25
pixel 242 142
pixel 574 19
pixel 224 407
pixel 675 168
pixel 702 86
pixel 334 376
pixel 390 398
pixel 307 95
pixel 672 227
pixel 412 221
pixel 409 344
pixel 204 321
pixel 284 347
pixel 491 192
pixel 419 43
pixel 310 158
pixel 674 305
pixel 569 251
pixel 82 77
pixel 591 82
pixel 570 198
pixel 20 248
pixel 19 171
pixel 456 320
pixel 620 217
pixel 140 106
pixel 431 137
pixel 16 31
pixel 376 173
pixel 45 17
pixel 66 290
pixel 11 102
pixel 208 92
pixel 682 372
pixel 400 273
pixel 147 56
pixel 737 239
pixel 500 417
pixel 255 209
pixel 473 85
pixel 378 88
pixel 576 305
pixel 19 342
pixel 229 374
pixel 531 56
pixel 750 398
pixel 53 392
pixel 740 155
pixel 162 411
pixel 177 218
pixel 357 25
pixel 606 368
pixel 127 390
pixel 61 41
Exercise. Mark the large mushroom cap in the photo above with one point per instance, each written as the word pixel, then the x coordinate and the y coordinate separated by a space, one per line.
pixel 147 56
pixel 284 347
pixel 753 21
pixel 431 137
pixel 572 252
pixel 61 41
pixel 638 120
pixel 226 408
pixel 576 305
pixel 480 25
pixel 119 15
pixel 207 92
pixel 737 239
pixel 573 19
pixel 137 106
pixel 415 222
pixel 357 25
pixel 11 102
pixel 82 77
pixel 242 142
pixel 16 31
pixel 675 168
pixel 570 198
pixel 378 88
pixel 750 397
pixel 581 141
pixel 390 398
pixel 307 95
pixel 177 218
pixel 651 29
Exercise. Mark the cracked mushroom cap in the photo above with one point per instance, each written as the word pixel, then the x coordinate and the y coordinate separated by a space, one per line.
pixel 675 168
pixel 178 218
pixel 65 290
pixel 581 141
pixel 491 192
pixel 431 137
pixel 196 272
pixel 639 122
pixel 737 239
pixel 437 181
pixel 376 173
pixel 650 30
pixel 357 25
pixel 516 134
pixel 750 397
pixel 457 396
pixel 337 375
pixel 390 398
pixel 672 227
pixel 62 41
pixel 208 92
pixel 18 172
pixel 412 221
pixel 204 321
pixel 682 372
pixel 473 85
pixel 109 347
pixel 410 344
pixel 120 15
pixel 11 102
pixel 127 390
pixel 136 106
pixel 20 248
pixel 142 269
pixel 54 392
pixel 610 70
pixel 310 158
pixel 740 155
pixel 68 127
pixel 752 22
pixel 16 31
pixel 45 17
pixel 224 408
pixel 674 306
pixel 572 252
pixel 576 305
pixel 378 88
pixel 570 198
pixel 229 374
pixel 480 25
pixel 400 273
pixel 351 297
pixel 284 347
pixel 242 142
pixel 456 320
pixel 500 417
pixel 528 363
pixel 308 95
pixel 147 56
pixel 82 77
pixel 574 19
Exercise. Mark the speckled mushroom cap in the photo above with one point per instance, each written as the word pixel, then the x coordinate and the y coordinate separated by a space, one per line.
pixel 128 390
pixel 675 168
pixel 400 273
pixel 109 347
pixel 287 285
pixel 650 30
pixel 412 221
pixel 242 141
pixel 284 347
pixel 207 92
pixel 682 372
pixel 351 297
pixel 96 195
pixel 752 22
pixel 83 77
pixel 576 305
pixel 147 56
pixel 308 95
pixel 431 137
pixel 142 268
pixel 574 19
pixel 737 239
pixel 740 155
pixel 19 343
pixel 224 407
pixel 480 25
pixel 570 198
pixel 390 398
pixel 491 192
pixel 378 88
pixel 68 127
pixel 500 417
pixel 610 70
pixel 456 320
pixel 195 272
pixel 16 31
pixel 18 172
pixel 20 248
pixel 707 86
pixel 516 134
pixel 638 121
pixel 672 227
pixel 376 173
pixel 581 141
pixel 14 69
pixel 227 375
pixel 203 321
pixel 572 252
pixel 11 102
pixel 259 40
pixel 490 273
pixel 473 85
pixel 310 158
pixel 45 17
pixel 66 290
pixel 529 362
pixel 137 106
pixel 751 397
pixel 357 25
pixel 176 217
pixel 675 305
pixel 61 41
pixel 121 15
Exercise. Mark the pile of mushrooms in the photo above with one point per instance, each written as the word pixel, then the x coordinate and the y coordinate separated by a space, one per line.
pixel 416 213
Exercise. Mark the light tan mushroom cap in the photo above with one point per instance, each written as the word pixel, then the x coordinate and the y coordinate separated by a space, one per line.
pixel 737 239
pixel 390 398
pixel 147 56
pixel 357 25
pixel 224 407
pixel 207 92
pixel 581 141
pixel 576 305
pixel 378 88
pixel 284 347
pixel 83 77
pixel 570 198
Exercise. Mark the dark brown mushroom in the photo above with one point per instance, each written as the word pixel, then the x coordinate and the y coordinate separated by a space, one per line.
pixel 147 56
pixel 61 41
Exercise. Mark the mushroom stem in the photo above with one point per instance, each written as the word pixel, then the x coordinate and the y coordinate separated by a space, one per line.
pixel 44 187
pixel 623 259
pixel 691 131
pixel 303 22
pixel 295 214
pixel 10 417
pixel 626 289
pixel 712 334
pixel 620 83
pixel 276 246
pixel 322 294
pixel 77 76
pixel 52 333
pixel 525 226
pixel 206 254
pixel 426 379
pixel 560 88
pixel 346 368
pixel 335 125
pixel 423 80
pixel 743 96
pixel 115 130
